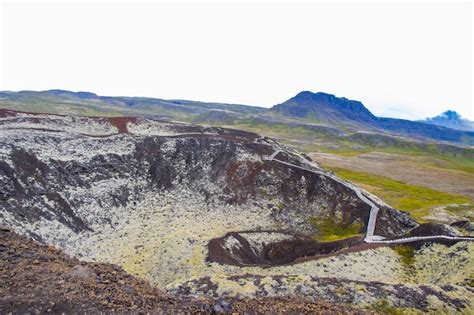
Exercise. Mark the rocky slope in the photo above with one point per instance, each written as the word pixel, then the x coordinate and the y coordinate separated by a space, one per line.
pixel 41 279
pixel 195 209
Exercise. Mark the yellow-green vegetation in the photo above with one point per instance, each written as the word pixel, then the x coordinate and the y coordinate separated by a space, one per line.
pixel 280 206
pixel 275 130
pixel 461 209
pixel 384 307
pixel 439 264
pixel 407 254
pixel 416 200
pixel 452 157
pixel 330 230
pixel 407 257
pixel 343 151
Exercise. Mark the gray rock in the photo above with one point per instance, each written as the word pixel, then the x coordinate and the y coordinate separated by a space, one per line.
pixel 222 306
pixel 81 273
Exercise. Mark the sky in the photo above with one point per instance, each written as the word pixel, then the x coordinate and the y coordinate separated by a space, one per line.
pixel 407 60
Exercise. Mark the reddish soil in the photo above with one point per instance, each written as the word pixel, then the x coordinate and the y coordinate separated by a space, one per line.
pixel 9 113
pixel 121 123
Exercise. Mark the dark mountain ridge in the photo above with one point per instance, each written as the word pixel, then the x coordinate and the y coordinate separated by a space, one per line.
pixel 323 106
pixel 306 107
pixel 340 110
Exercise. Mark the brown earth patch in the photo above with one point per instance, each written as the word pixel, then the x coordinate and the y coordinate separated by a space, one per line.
pixel 121 123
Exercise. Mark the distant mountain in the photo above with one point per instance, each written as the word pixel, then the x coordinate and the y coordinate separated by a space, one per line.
pixel 419 130
pixel 342 111
pixel 64 93
pixel 326 107
pixel 320 110
pixel 451 119
pixel 90 104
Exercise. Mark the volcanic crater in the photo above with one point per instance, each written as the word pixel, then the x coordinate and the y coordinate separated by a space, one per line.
pixel 84 179
pixel 172 202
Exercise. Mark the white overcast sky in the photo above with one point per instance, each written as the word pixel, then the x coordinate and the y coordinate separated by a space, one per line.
pixel 400 59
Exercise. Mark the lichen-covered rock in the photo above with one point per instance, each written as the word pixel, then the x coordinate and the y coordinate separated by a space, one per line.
pixel 37 279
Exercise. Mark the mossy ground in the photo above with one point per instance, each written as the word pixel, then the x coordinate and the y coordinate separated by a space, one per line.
pixel 330 230
pixel 407 258
pixel 407 254
pixel 384 307
pixel 461 209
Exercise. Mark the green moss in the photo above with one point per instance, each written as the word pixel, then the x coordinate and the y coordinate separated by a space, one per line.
pixel 278 207
pixel 407 254
pixel 416 200
pixel 293 279
pixel 263 191
pixel 384 307
pixel 463 211
pixel 341 291
pixel 330 230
